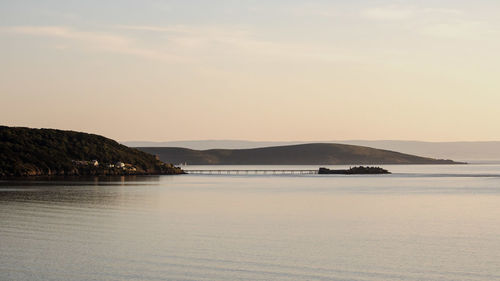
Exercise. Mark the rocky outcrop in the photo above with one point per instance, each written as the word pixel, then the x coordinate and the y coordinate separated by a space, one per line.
pixel 360 170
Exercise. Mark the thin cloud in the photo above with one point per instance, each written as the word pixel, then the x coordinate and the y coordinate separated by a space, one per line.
pixel 175 28
pixel 400 13
pixel 458 29
pixel 443 12
pixel 388 13
pixel 189 44
pixel 240 39
pixel 96 41
pixel 434 22
pixel 313 9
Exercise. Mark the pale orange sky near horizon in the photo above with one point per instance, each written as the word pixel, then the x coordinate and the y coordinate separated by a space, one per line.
pixel 253 70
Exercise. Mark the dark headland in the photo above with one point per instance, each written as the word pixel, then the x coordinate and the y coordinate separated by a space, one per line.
pixel 304 154
pixel 49 152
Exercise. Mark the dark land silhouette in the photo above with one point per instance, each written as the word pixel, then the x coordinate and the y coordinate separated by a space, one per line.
pixel 304 154
pixel 469 151
pixel 47 152
pixel 360 170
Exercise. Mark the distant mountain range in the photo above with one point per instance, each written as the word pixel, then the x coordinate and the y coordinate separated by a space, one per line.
pixel 303 154
pixel 462 151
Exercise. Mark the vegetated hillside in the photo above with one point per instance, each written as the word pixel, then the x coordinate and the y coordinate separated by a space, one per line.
pixel 25 151
pixel 304 154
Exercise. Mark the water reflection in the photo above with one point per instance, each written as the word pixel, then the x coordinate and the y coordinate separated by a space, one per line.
pixel 65 181
pixel 252 228
pixel 90 190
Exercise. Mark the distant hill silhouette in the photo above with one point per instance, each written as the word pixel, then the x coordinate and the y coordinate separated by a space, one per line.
pixel 304 154
pixel 35 152
pixel 474 151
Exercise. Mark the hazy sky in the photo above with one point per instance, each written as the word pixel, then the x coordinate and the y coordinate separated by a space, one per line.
pixel 256 70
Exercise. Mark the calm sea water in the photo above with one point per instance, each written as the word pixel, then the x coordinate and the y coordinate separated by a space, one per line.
pixel 420 223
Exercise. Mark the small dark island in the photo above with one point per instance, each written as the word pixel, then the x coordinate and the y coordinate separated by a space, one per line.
pixel 360 170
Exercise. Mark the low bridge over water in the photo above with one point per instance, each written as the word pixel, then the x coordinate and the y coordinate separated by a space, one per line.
pixel 254 172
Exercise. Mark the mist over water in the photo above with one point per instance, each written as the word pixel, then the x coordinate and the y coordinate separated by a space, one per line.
pixel 420 223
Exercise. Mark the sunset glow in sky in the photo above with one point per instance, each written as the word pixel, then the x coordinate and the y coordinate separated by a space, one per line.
pixel 255 70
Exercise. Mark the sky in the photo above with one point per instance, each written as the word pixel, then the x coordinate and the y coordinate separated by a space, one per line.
pixel 253 70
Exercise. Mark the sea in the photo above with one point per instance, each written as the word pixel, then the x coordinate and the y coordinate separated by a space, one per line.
pixel 422 222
